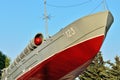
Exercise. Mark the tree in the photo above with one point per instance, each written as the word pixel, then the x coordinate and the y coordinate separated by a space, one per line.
pixel 97 70
pixel 4 62
pixel 114 71
pixel 7 62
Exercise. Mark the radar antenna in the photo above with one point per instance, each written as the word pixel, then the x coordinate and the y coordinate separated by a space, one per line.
pixel 46 17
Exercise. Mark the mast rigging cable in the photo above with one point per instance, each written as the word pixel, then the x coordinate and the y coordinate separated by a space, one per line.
pixel 67 6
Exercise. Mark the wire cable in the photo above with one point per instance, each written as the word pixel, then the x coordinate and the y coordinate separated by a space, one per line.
pixel 96 7
pixel 107 7
pixel 67 6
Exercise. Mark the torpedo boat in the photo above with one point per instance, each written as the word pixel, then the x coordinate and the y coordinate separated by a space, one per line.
pixel 64 55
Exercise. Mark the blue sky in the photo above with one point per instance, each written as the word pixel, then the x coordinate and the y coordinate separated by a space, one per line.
pixel 20 20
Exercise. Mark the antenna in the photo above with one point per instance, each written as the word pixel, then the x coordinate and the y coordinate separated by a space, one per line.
pixel 46 20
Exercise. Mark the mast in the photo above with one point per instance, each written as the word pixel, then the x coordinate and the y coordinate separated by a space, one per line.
pixel 46 20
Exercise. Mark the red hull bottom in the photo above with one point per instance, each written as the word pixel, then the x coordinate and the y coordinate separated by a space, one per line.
pixel 67 63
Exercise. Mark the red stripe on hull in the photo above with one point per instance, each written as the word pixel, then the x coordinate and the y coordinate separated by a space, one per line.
pixel 64 62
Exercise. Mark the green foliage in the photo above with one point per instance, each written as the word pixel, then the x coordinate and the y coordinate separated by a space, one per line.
pixel 114 71
pixel 4 62
pixel 99 71
pixel 7 62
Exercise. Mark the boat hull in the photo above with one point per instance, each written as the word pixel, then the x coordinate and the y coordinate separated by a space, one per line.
pixel 65 62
